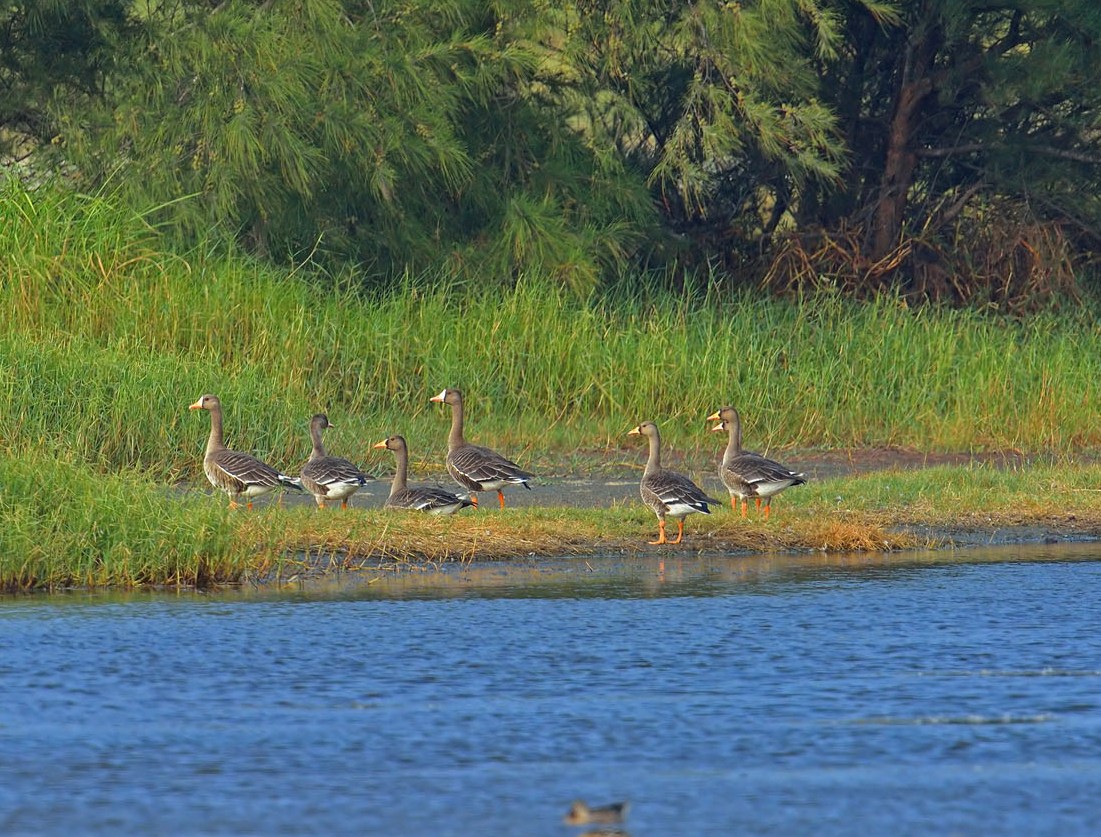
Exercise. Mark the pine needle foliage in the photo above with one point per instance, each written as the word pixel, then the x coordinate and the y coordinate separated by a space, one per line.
pixel 400 136
pixel 710 102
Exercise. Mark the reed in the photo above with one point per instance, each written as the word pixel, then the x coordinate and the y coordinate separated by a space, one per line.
pixel 64 525
pixel 980 503
pixel 108 338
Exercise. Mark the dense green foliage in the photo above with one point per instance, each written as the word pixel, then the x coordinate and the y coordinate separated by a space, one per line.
pixel 57 53
pixel 942 149
pixel 403 136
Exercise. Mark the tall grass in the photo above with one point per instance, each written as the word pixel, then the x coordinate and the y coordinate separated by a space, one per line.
pixel 108 338
pixel 63 524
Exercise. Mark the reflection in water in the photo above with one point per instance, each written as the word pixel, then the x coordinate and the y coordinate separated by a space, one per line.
pixel 921 693
pixel 657 574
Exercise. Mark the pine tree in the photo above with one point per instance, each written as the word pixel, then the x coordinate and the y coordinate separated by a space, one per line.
pixel 717 105
pixel 973 113
pixel 55 53
pixel 400 136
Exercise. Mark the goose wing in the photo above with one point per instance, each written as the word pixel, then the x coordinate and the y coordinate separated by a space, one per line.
pixel 332 471
pixel 676 493
pixel 238 471
pixel 429 499
pixel 762 475
pixel 482 467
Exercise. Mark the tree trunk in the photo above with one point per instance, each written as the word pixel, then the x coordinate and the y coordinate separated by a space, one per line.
pixel 900 161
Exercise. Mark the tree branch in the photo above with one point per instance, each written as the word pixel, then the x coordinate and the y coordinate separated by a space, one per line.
pixel 1046 150
pixel 949 151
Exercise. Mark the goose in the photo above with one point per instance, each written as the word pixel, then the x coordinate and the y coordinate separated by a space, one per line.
pixel 329 477
pixel 582 814
pixel 237 474
pixel 746 474
pixel 667 492
pixel 473 467
pixel 419 498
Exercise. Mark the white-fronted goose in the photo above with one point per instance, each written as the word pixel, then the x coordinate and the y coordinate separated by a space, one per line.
pixel 329 477
pixel 237 474
pixel 746 474
pixel 421 497
pixel 582 814
pixel 668 493
pixel 473 467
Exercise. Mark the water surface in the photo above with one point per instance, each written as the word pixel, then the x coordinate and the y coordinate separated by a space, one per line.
pixel 931 693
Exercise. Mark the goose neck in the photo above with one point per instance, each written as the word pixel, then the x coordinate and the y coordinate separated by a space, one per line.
pixel 455 438
pixel 401 470
pixel 215 440
pixel 318 445
pixel 734 438
pixel 653 462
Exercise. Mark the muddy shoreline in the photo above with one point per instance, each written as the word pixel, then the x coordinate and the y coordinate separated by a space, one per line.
pixel 615 485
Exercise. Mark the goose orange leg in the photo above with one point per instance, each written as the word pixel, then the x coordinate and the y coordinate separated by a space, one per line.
pixel 473 499
pixel 661 534
pixel 501 497
pixel 745 507
pixel 680 531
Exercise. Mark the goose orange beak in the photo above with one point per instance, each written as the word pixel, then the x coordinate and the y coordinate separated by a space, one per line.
pixel 198 405
pixel 381 444
pixel 713 417
pixel 636 432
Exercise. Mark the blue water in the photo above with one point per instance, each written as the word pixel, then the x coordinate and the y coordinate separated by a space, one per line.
pixel 950 693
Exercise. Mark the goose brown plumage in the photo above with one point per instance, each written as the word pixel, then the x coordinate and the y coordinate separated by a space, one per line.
pixel 668 493
pixel 583 814
pixel 237 474
pixel 424 498
pixel 329 477
pixel 745 473
pixel 473 467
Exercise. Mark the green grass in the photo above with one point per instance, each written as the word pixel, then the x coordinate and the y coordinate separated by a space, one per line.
pixel 108 338
pixel 958 494
pixel 64 525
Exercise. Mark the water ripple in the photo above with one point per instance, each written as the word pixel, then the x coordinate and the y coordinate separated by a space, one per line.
pixel 958 720
pixel 879 696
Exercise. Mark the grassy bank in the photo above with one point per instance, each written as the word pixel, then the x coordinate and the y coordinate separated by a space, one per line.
pixel 64 525
pixel 108 338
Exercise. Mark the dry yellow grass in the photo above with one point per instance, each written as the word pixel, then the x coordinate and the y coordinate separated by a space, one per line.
pixel 882 512
pixel 303 540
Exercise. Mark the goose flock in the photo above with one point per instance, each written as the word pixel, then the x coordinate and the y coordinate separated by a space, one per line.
pixel 330 478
